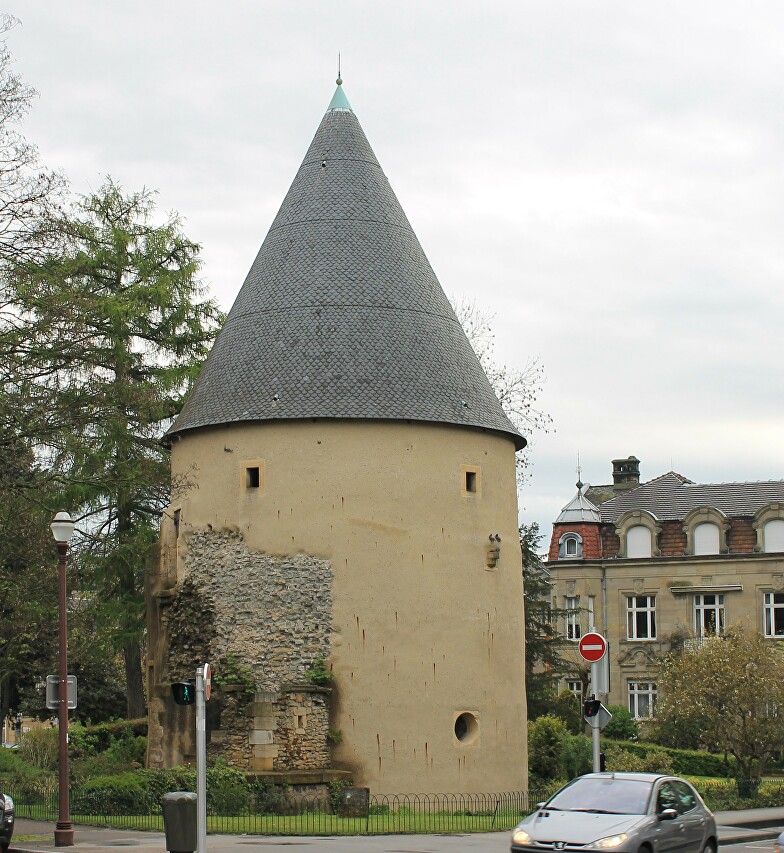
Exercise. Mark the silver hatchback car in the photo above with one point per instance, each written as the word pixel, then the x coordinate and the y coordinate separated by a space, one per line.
pixel 624 812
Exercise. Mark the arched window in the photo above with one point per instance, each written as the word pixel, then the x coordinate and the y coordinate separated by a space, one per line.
pixel 638 541
pixel 774 536
pixel 706 538
pixel 570 546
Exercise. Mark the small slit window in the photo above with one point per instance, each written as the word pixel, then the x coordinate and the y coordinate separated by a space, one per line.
pixel 472 480
pixel 252 475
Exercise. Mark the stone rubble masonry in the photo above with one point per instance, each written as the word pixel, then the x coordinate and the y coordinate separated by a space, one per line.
pixel 273 614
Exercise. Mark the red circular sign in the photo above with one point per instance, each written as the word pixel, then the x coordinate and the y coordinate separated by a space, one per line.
pixel 592 646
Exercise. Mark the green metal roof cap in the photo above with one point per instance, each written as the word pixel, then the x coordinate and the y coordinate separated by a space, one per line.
pixel 339 100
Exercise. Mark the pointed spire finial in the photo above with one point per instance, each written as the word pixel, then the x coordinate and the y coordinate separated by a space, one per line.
pixel 579 483
pixel 339 81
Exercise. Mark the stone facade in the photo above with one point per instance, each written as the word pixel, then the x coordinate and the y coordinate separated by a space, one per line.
pixel 683 587
pixel 267 617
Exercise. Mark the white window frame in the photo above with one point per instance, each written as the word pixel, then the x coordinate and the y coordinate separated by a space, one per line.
pixel 702 609
pixel 770 609
pixel 637 605
pixel 642 695
pixel 572 627
pixel 575 687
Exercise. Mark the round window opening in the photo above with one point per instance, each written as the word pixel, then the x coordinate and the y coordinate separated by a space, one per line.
pixel 466 728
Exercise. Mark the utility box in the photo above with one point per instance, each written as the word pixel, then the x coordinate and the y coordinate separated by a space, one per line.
pixel 354 802
pixel 179 821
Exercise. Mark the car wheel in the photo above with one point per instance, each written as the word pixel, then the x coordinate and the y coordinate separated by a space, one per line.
pixel 710 846
pixel 645 848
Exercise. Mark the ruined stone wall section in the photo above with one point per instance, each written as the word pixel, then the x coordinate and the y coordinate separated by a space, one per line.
pixel 302 729
pixel 273 613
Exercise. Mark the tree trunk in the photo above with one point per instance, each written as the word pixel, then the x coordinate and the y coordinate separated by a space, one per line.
pixel 134 679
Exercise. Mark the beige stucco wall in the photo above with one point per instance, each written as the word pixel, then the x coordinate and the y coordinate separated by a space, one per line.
pixel 423 630
pixel 637 660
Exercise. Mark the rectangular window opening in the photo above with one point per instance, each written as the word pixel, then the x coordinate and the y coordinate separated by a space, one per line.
pixel 642 699
pixel 470 482
pixel 252 478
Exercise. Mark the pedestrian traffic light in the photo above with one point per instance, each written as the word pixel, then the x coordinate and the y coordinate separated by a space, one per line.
pixel 184 692
pixel 591 707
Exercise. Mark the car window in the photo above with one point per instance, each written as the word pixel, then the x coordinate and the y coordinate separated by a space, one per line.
pixel 604 794
pixel 686 799
pixel 667 797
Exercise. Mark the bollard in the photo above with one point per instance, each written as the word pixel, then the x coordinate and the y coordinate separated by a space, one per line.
pixel 179 821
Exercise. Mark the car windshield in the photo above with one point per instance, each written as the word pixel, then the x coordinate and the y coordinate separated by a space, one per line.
pixel 604 794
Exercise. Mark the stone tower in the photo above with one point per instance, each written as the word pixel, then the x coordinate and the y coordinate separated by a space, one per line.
pixel 344 495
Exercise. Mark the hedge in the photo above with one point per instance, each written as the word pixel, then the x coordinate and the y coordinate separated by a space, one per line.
pixel 685 762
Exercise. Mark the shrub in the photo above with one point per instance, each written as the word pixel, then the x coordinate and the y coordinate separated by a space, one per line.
pixel 122 793
pixel 547 738
pixel 577 756
pixel 621 759
pixel 319 673
pixel 39 748
pixel 622 726
pixel 569 708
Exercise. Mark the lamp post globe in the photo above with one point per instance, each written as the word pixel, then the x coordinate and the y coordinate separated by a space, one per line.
pixel 62 529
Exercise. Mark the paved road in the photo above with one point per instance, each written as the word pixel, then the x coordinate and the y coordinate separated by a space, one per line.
pixel 94 840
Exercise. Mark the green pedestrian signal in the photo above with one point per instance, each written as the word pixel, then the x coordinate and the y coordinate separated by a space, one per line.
pixel 184 692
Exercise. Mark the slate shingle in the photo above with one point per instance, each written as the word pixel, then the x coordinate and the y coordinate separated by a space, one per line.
pixel 341 315
pixel 671 497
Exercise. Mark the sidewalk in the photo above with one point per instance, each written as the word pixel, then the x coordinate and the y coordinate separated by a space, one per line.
pixel 737 826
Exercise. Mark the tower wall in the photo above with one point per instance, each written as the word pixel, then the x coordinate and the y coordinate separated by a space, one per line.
pixel 424 628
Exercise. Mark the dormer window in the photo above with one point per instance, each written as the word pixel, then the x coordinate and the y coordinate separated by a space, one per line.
pixel 570 546
pixel 638 542
pixel 774 536
pixel 706 538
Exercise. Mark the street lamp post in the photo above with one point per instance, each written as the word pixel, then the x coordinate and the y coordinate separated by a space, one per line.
pixel 62 530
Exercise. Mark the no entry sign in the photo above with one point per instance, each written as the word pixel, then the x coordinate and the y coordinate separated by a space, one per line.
pixel 592 647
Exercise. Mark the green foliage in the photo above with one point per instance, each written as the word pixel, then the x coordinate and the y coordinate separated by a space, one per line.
pixel 577 756
pixel 230 671
pixel 336 788
pixel 622 726
pixel 543 664
pixel 567 707
pixel 319 673
pixel 684 762
pixel 727 688
pixel 268 797
pixel 38 748
pixel 108 331
pixel 547 739
pixel 334 737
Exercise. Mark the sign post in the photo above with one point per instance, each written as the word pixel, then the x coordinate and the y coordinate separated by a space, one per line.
pixel 203 686
pixel 593 648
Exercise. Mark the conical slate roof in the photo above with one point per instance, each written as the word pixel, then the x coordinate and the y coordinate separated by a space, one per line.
pixel 341 315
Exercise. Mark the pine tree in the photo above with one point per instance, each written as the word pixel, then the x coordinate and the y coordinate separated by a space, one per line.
pixel 109 331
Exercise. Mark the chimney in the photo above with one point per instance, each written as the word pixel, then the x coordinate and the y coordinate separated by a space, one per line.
pixel 626 474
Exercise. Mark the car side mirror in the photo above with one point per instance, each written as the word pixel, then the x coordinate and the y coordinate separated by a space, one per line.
pixel 539 805
pixel 668 814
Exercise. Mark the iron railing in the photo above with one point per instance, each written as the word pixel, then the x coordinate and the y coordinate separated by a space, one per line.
pixel 241 812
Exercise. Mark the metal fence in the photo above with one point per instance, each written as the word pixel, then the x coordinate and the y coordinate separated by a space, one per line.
pixel 237 813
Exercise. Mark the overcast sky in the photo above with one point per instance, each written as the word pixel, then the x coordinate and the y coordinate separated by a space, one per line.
pixel 606 177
